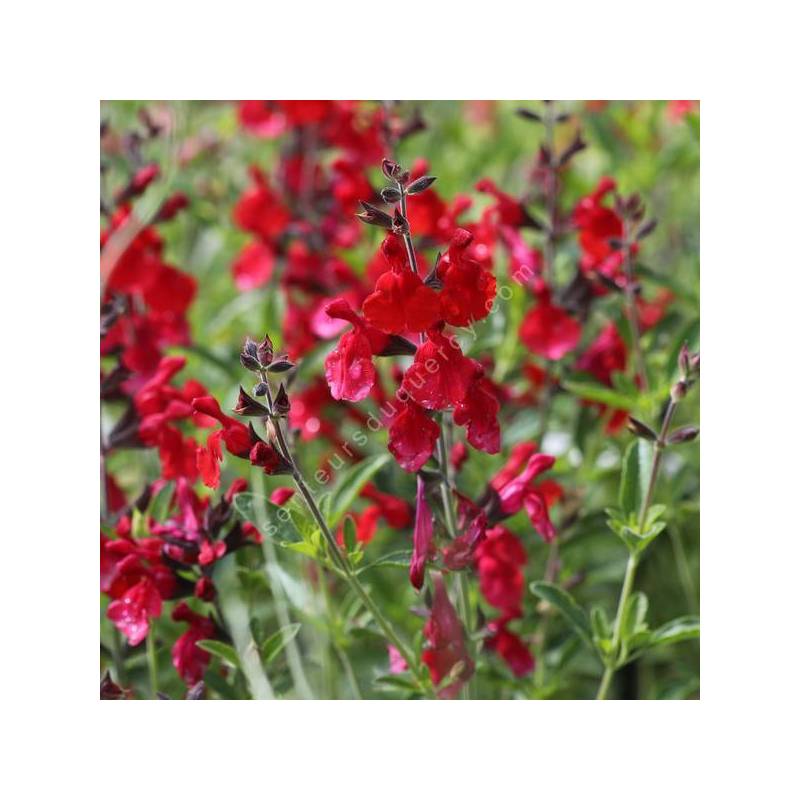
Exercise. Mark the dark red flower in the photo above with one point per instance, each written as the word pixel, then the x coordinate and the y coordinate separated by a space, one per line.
pixel 189 660
pixel 440 375
pixel 253 266
pixel 412 437
pixel 401 302
pixel 549 331
pixel 132 612
pixel 259 210
pixel 423 538
pixel 499 559
pixel 348 368
pixel 468 289
pixel 478 411
pixel 447 645
pixel 510 648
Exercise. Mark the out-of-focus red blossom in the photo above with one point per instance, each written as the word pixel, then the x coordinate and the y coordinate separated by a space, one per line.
pixel 446 644
pixel 604 356
pixel 189 660
pixel 499 559
pixel 678 109
pixel 132 612
pixel 397 663
pixel 440 375
pixel 253 266
pixel 281 495
pixel 458 455
pixel 651 312
pixel 260 210
pixel 468 290
pixel 394 510
pixel 412 437
pixel 510 648
pixel 549 331
pixel 473 521
pixel 597 226
pixel 478 412
pixel 508 209
pixel 424 548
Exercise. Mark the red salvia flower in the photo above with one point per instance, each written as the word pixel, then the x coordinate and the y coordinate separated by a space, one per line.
pixel 447 646
pixel 468 289
pixel 189 660
pixel 423 538
pixel 549 331
pixel 478 412
pixel 412 437
pixel 132 612
pixel 440 375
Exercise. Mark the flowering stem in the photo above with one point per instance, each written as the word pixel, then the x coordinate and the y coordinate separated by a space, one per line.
pixel 611 667
pixel 633 559
pixel 281 606
pixel 551 189
pixel 633 317
pixel 412 256
pixel 341 563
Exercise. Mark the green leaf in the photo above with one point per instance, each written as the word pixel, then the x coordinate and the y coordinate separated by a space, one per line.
pixel 591 390
pixel 633 620
pixel 272 520
pixel 272 646
pixel 350 484
pixel 566 604
pixel 636 467
pixel 350 534
pixel 221 650
pixel 158 507
pixel 677 630
pixel 399 558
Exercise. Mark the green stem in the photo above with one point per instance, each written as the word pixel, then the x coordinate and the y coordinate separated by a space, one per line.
pixel 341 563
pixel 611 667
pixel 152 661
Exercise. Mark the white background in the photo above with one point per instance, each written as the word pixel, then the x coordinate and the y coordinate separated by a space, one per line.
pixel 58 60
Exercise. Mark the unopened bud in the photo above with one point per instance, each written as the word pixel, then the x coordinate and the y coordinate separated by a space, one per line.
pixel 374 216
pixel 678 391
pixel 260 389
pixel 281 365
pixel 638 428
pixel 421 184
pixel 686 434
pixel 281 404
pixel 249 407
pixel 390 195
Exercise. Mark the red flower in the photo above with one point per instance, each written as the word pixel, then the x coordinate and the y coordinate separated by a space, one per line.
pixel 412 437
pixel 187 657
pixel 520 491
pixel 605 355
pixel 468 289
pixel 132 612
pixel 509 210
pixel 348 368
pixel 401 302
pixel 548 331
pixel 253 266
pixel 259 209
pixel 478 411
pixel 499 559
pixel 423 538
pixel 440 375
pixel 510 648
pixel 598 225
pixel 447 646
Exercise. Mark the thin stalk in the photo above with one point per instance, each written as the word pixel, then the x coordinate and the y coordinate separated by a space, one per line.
pixel 152 661
pixel 412 256
pixel 627 585
pixel 552 194
pixel 341 563
pixel 630 571
pixel 633 317
pixel 293 658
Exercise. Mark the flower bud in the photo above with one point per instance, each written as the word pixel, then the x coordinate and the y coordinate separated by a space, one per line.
pixel 260 389
pixel 264 351
pixel 421 184
pixel 281 404
pixel 678 391
pixel 281 365
pixel 374 216
pixel 248 407
pixel 686 434
pixel 638 428
pixel 390 195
